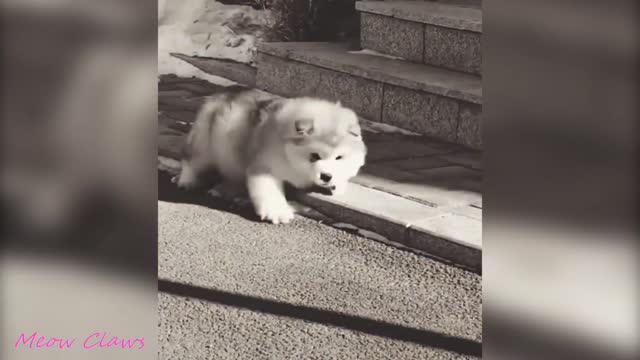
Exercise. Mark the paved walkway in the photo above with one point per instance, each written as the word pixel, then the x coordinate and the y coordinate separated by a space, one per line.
pixel 234 288
pixel 432 187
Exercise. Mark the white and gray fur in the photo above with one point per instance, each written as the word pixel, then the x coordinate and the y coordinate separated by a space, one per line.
pixel 305 142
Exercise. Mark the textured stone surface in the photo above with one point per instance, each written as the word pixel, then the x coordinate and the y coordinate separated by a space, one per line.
pixel 421 112
pixel 469 211
pixel 420 239
pixel 384 178
pixel 291 78
pixel 444 187
pixel 198 88
pixel 193 85
pixel 453 49
pixel 375 172
pixel 173 93
pixel 453 177
pixel 417 163
pixel 437 196
pixel 395 229
pixel 457 15
pixel 448 34
pixel 391 36
pixel 470 159
pixel 382 204
pixel 181 115
pixel 434 80
pixel 234 289
pixel 399 150
pixel 470 126
pixel 453 227
pixel 393 217
pixel 170 142
pixel 229 69
pixel 180 103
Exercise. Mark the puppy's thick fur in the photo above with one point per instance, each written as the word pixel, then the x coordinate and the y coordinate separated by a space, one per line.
pixel 305 142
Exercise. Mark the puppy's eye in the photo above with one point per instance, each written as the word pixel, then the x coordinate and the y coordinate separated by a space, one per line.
pixel 338 157
pixel 314 157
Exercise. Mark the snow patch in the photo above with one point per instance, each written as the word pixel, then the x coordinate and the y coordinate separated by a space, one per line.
pixel 207 28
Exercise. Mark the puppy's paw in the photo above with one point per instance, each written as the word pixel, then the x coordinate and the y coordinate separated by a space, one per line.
pixel 184 182
pixel 188 177
pixel 276 212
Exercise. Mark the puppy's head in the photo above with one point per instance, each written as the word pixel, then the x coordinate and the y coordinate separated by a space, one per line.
pixel 323 142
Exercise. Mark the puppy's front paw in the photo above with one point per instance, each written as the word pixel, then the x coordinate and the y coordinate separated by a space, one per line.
pixel 277 212
pixel 187 179
pixel 268 198
pixel 184 182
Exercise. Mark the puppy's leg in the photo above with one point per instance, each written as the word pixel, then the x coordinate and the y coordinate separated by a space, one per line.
pixel 267 195
pixel 196 156
pixel 188 177
pixel 194 162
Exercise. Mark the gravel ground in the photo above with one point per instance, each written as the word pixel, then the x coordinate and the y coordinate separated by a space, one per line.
pixel 234 288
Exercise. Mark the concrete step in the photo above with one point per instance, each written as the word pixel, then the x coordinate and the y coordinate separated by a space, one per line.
pixel 443 104
pixel 229 69
pixel 445 34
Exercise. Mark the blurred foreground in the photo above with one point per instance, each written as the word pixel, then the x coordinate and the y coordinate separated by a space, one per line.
pixel 560 211
pixel 78 186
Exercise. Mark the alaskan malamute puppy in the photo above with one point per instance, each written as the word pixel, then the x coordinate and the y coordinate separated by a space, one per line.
pixel 305 142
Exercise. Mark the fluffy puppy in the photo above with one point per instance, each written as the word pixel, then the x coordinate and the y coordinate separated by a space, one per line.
pixel 305 142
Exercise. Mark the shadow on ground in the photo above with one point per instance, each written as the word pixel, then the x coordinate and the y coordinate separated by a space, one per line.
pixel 169 192
pixel 369 326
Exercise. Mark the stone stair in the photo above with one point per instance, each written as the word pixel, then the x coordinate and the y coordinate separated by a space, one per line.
pixel 419 70
pixel 433 33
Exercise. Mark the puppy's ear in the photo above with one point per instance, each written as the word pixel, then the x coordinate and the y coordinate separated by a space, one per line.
pixel 355 130
pixel 268 108
pixel 304 127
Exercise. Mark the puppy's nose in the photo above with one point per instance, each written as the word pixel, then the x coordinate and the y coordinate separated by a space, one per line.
pixel 325 177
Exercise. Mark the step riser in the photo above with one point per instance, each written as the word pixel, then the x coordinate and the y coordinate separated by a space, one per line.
pixel 449 48
pixel 442 117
